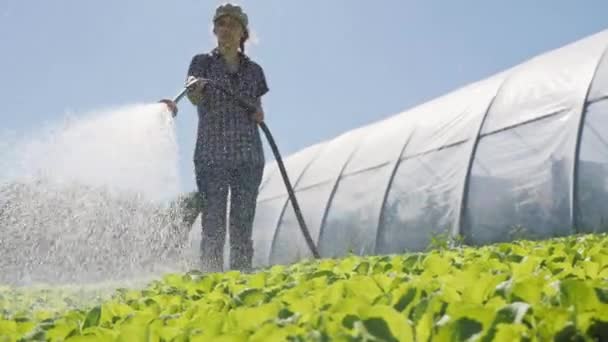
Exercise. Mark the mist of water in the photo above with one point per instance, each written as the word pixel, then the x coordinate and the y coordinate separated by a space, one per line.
pixel 89 199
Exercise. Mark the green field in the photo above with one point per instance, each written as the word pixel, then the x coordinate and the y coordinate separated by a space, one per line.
pixel 526 290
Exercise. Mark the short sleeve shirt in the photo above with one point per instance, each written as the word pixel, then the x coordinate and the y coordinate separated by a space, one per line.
pixel 227 134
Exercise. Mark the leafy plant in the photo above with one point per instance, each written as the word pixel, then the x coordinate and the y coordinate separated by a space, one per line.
pixel 525 290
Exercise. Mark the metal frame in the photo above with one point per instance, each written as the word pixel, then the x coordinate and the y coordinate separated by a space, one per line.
pixel 574 200
pixel 333 193
pixel 389 184
pixel 464 198
pixel 459 227
pixel 523 123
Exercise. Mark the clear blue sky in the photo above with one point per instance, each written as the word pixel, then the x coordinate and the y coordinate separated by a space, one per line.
pixel 331 65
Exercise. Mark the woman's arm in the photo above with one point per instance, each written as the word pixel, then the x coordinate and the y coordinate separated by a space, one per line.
pixel 196 69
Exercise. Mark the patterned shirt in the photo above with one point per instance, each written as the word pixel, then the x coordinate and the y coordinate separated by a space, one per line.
pixel 227 133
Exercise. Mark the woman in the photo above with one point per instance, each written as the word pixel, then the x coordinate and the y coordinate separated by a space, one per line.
pixel 229 152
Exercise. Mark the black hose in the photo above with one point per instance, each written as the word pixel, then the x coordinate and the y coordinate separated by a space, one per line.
pixel 277 155
pixel 292 196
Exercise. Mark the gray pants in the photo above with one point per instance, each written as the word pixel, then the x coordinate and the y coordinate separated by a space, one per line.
pixel 213 182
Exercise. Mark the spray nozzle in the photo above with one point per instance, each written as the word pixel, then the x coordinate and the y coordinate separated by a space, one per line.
pixel 190 83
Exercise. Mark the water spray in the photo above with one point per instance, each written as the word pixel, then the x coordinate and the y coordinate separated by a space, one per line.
pixel 172 104
pixel 94 199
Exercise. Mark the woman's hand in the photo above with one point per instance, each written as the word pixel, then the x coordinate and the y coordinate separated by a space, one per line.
pixel 258 116
pixel 195 90
pixel 172 106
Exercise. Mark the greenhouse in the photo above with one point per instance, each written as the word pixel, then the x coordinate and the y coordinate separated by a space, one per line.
pixel 521 154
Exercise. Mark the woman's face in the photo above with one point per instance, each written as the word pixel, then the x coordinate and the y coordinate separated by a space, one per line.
pixel 228 31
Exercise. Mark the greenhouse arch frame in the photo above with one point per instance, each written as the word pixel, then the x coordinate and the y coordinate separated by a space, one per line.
pixel 515 155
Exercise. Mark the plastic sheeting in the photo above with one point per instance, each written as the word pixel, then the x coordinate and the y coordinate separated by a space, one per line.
pixel 527 147
pixel 554 82
pixel 451 119
pixel 492 161
pixel 267 216
pixel 352 220
pixel 426 191
pixel 289 243
pixel 382 144
pixel 335 155
pixel 592 180
pixel 319 181
pixel 423 200
pixel 599 86
pixel 354 210
pixel 520 181
pixel 593 173
pixel 274 185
